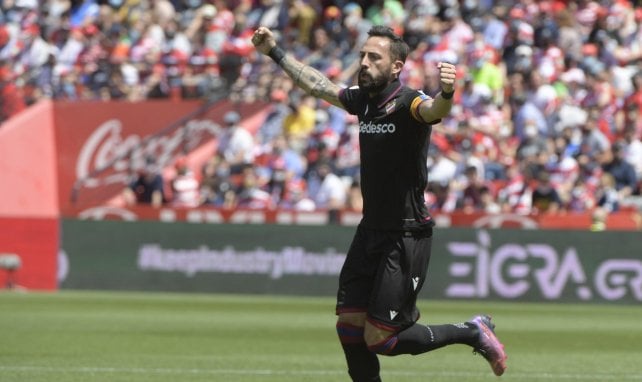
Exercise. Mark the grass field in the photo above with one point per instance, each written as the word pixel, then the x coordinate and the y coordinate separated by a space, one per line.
pixel 111 337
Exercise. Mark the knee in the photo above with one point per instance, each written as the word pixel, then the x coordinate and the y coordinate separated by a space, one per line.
pixel 374 335
pixel 378 340
pixel 350 328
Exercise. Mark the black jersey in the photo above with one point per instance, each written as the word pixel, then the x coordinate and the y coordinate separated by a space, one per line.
pixel 394 147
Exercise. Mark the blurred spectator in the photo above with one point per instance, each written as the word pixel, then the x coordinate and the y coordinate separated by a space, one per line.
pixel 331 193
pixel 485 73
pixel 563 168
pixel 11 97
pixel 545 197
pixel 569 35
pixel 528 114
pixel 606 195
pixel 217 185
pixel 551 86
pixel 303 17
pixel 594 149
pixel 354 201
pixel 441 169
pixel 250 193
pixel 147 187
pixel 622 171
pixel 299 123
pixel 278 180
pixel 269 13
pixel 296 197
pixel 516 195
pixel 494 28
pixel 488 203
pixel 236 144
pixel 440 197
pixel 294 161
pixel 632 150
pixel 185 186
pixel 633 117
pixel 471 198
pixel 532 144
pixel 634 99
pixel 272 126
pixel 581 197
pixel 348 160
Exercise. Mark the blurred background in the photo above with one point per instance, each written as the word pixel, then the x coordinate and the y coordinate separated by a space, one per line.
pixel 145 145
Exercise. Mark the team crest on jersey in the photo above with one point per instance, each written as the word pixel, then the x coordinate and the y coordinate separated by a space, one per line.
pixel 390 106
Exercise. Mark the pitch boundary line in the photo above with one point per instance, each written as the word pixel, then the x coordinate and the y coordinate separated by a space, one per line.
pixel 259 372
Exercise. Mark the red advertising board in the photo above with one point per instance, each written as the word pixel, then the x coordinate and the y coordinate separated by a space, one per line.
pixel 99 144
pixel 57 157
pixel 28 199
pixel 628 221
pixel 27 164
pixel 35 242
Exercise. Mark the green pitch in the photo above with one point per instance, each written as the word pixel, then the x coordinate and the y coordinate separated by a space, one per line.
pixel 111 337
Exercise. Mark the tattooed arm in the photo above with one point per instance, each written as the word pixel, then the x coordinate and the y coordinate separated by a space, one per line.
pixel 307 78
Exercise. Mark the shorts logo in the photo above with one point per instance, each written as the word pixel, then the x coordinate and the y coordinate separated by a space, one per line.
pixel 393 314
pixel 377 128
pixel 415 282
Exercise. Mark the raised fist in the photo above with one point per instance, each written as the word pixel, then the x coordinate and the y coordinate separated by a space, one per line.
pixel 263 40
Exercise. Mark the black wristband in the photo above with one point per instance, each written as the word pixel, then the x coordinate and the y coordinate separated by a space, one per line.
pixel 447 95
pixel 276 54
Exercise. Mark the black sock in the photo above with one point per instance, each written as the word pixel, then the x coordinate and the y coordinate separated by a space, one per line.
pixel 363 365
pixel 419 338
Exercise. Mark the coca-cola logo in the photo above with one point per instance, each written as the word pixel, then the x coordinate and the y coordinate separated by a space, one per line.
pixel 107 156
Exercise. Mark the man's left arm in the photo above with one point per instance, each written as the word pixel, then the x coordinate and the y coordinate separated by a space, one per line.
pixel 437 108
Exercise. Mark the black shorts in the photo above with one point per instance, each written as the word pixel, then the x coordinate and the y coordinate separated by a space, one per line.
pixel 383 274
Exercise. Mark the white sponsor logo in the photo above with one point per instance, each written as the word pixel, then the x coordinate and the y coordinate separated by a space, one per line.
pixel 393 314
pixel 615 278
pixel 106 148
pixel 415 282
pixel 103 212
pixel 275 264
pixel 505 220
pixel 515 269
pixel 376 128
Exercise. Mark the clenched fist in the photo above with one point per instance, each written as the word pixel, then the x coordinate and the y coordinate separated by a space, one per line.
pixel 447 75
pixel 263 40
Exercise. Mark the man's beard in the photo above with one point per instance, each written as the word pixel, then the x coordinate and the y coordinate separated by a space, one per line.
pixel 373 84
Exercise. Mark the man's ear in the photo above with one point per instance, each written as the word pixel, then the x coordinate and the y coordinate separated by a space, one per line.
pixel 396 67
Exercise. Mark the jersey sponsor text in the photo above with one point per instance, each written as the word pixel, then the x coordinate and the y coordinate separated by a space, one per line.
pixel 377 128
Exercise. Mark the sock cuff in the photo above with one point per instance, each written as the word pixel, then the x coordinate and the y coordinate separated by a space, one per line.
pixel 386 346
pixel 350 334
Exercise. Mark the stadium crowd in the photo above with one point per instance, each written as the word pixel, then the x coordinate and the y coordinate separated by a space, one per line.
pixel 547 113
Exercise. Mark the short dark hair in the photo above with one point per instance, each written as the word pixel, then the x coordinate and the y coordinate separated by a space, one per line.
pixel 398 48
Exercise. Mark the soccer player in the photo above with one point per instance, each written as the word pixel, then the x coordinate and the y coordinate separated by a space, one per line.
pixel 388 259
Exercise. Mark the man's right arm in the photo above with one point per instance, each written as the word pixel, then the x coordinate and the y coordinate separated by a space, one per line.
pixel 307 78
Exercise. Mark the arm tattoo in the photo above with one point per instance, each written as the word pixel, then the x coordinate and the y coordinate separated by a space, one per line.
pixel 320 88
pixel 310 80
